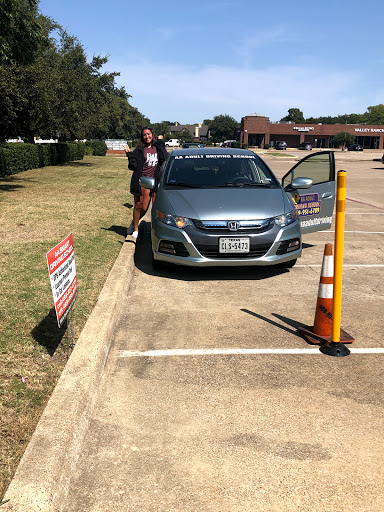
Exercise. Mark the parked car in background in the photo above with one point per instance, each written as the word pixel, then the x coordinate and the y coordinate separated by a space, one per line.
pixel 280 144
pixel 228 143
pixel 14 139
pixel 192 145
pixel 306 146
pixel 355 147
pixel 226 207
pixel 172 143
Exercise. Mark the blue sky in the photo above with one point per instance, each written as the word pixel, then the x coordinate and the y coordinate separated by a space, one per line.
pixel 191 62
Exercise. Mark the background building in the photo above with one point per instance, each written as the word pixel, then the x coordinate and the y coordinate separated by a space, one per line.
pixel 257 130
pixel 198 131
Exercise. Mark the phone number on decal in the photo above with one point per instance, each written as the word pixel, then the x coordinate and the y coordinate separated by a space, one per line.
pixel 308 211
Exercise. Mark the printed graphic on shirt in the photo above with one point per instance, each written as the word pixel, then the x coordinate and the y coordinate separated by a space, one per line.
pixel 150 161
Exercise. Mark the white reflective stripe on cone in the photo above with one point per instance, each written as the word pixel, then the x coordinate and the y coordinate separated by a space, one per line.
pixel 325 291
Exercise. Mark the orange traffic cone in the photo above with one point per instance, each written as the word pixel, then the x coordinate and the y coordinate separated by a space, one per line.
pixel 321 332
pixel 323 316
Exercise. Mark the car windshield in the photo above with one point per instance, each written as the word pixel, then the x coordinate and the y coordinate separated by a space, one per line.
pixel 221 170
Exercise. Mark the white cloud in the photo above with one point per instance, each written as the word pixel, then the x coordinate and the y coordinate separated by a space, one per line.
pixel 190 94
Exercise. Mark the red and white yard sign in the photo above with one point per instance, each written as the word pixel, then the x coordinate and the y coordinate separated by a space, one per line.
pixel 62 273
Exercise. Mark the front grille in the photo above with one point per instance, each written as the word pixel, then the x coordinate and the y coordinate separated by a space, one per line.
pixel 257 225
pixel 176 248
pixel 256 252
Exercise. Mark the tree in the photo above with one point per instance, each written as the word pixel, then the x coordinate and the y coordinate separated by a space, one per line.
pixel 343 139
pixel 21 33
pixel 222 127
pixel 185 135
pixel 375 114
pixel 341 119
pixel 294 115
pixel 162 128
pixel 61 93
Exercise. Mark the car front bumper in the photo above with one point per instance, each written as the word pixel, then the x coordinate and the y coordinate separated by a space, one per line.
pixel 266 249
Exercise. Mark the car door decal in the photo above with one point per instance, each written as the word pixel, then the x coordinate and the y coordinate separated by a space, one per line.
pixel 307 204
pixel 314 205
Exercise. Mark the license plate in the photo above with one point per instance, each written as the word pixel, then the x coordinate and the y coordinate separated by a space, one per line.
pixel 233 245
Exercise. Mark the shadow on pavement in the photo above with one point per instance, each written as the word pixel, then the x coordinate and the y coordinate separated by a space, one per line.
pixel 289 321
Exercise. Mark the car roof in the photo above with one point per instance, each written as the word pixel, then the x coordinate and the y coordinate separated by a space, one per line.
pixel 212 151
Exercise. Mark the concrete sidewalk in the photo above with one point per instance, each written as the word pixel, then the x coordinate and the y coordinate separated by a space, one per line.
pixel 42 478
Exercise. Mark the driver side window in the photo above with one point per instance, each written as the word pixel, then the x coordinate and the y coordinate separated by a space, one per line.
pixel 316 168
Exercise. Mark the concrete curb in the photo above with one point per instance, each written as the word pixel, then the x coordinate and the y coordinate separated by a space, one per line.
pixel 42 479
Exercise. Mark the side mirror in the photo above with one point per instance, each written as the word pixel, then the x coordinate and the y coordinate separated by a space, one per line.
pixel 301 183
pixel 148 182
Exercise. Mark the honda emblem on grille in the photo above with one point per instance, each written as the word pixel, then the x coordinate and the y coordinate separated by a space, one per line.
pixel 233 225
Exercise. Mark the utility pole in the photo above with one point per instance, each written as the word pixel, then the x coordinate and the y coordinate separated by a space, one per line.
pixel 345 133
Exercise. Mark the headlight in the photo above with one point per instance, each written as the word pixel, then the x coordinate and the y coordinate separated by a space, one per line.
pixel 286 218
pixel 173 220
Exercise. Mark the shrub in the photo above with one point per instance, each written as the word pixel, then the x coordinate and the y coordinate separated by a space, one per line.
pixel 245 145
pixel 44 155
pixel 99 148
pixel 267 146
pixel 15 157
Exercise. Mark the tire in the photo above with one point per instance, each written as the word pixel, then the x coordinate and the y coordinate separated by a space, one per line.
pixel 288 264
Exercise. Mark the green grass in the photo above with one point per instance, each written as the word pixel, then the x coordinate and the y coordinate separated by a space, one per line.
pixel 38 209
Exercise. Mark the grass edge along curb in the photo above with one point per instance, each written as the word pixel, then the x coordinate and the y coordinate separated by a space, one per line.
pixel 42 479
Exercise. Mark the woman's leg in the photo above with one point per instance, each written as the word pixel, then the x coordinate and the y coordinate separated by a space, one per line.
pixel 140 207
pixel 145 200
pixel 136 212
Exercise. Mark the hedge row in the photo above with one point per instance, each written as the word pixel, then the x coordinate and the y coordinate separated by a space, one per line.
pixel 16 157
pixel 96 148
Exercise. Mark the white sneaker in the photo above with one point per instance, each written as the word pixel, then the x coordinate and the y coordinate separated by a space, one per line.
pixel 130 229
pixel 134 234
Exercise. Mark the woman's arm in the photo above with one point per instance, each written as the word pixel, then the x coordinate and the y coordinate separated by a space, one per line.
pixel 161 150
pixel 132 158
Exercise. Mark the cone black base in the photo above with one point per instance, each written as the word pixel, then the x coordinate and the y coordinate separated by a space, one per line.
pixel 315 339
pixel 334 348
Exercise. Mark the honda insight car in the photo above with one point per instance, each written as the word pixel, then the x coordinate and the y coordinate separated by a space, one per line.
pixel 225 207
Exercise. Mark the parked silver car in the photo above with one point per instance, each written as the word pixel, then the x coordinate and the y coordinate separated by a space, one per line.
pixel 226 207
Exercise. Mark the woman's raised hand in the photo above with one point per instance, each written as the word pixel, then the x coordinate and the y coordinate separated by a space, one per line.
pixel 126 148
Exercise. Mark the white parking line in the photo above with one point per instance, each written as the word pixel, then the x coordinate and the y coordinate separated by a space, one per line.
pixel 364 232
pixel 236 351
pixel 344 266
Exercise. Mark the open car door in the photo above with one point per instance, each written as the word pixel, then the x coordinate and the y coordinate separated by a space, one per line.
pixel 315 204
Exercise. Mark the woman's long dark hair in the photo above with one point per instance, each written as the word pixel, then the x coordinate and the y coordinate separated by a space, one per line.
pixel 141 141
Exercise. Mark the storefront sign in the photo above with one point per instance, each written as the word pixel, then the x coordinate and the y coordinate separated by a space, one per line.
pixel 303 129
pixel 369 130
pixel 62 274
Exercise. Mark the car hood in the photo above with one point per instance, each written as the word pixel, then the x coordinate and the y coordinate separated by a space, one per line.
pixel 224 204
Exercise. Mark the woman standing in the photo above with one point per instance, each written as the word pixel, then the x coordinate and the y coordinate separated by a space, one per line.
pixel 145 160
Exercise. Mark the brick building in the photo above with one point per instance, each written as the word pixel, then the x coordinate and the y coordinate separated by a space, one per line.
pixel 257 130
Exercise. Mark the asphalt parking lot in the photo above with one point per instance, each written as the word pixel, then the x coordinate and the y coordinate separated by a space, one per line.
pixel 184 423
